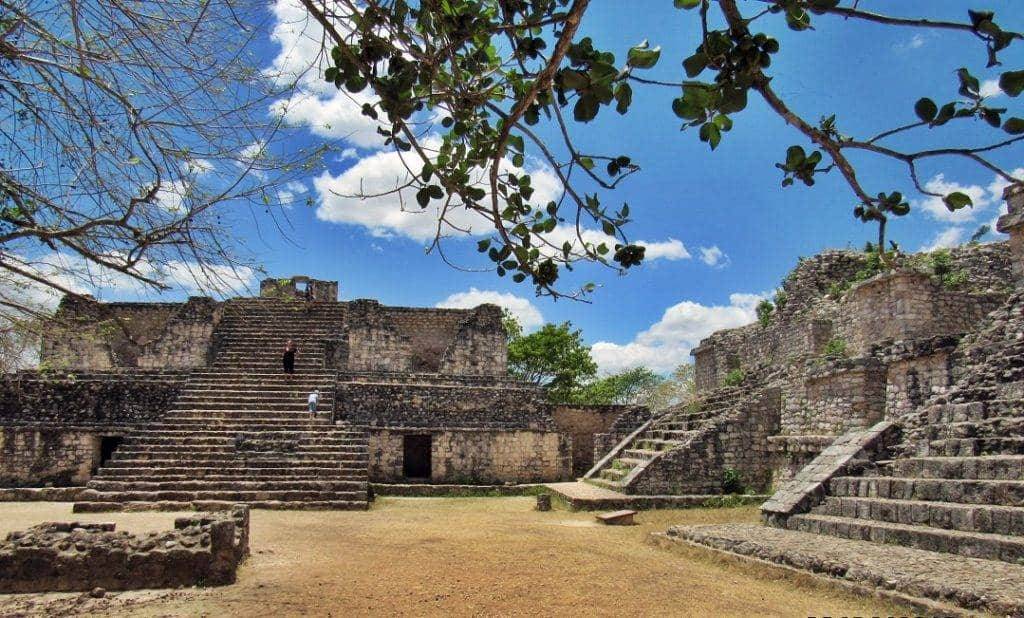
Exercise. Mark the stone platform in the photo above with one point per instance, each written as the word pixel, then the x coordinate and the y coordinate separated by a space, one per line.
pixel 891 570
pixel 580 496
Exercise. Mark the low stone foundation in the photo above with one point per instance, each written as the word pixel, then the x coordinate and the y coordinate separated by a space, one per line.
pixel 203 550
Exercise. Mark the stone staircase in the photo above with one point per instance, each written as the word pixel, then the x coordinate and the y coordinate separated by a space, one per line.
pixel 240 430
pixel 957 483
pixel 679 447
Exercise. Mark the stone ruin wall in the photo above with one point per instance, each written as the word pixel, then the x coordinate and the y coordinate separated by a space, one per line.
pixel 475 455
pixel 898 329
pixel 201 550
pixel 88 335
pixel 481 431
pixel 376 338
pixel 51 426
pixel 588 428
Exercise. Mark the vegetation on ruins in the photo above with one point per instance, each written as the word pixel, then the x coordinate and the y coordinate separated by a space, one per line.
pixel 765 308
pixel 127 129
pixel 466 90
pixel 735 377
pixel 835 348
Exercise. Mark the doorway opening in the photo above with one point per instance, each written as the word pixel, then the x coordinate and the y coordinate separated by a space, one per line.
pixel 416 456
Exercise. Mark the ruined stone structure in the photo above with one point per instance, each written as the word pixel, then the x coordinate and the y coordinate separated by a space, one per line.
pixel 846 349
pixel 902 466
pixel 203 550
pixel 169 405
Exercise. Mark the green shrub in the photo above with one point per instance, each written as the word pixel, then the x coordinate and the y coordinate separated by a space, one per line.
pixel 836 348
pixel 837 289
pixel 732 482
pixel 781 298
pixel 734 377
pixel 955 279
pixel 940 262
pixel 764 312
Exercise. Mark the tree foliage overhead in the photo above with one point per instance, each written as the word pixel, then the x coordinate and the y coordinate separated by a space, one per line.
pixel 125 127
pixel 467 89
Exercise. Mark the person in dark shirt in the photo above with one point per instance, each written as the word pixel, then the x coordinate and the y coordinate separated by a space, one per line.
pixel 289 357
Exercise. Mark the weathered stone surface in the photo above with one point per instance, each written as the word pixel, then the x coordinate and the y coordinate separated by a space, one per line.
pixel 975 584
pixel 73 556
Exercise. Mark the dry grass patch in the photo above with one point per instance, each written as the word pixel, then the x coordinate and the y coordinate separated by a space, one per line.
pixel 486 556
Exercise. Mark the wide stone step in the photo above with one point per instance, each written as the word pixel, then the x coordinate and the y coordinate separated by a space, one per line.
pixel 331 485
pixel 973 411
pixel 964 491
pixel 1005 520
pixel 999 467
pixel 255 460
pixel 1000 426
pixel 223 419
pixel 244 395
pixel 327 431
pixel 294 405
pixel 971 544
pixel 351 470
pixel 90 495
pixel 227 439
pixel 973 447
pixel 136 450
pixel 313 505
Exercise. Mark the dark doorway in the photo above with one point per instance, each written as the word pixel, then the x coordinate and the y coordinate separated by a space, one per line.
pixel 416 461
pixel 109 444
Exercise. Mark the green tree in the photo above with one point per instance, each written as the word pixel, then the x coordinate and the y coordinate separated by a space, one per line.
pixel 630 387
pixel 679 388
pixel 555 357
pixel 469 88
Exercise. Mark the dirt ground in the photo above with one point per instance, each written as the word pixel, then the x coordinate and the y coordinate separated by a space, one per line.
pixel 458 557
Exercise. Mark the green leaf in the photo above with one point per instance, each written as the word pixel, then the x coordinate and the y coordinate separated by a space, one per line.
pixel 957 200
pixel 926 109
pixel 574 80
pixel 483 245
pixel 686 4
pixel 795 156
pixel 1012 82
pixel 587 163
pixel 695 64
pixel 640 57
pixel 723 122
pixel 969 85
pixel 585 109
pixel 423 197
pixel 710 133
pixel 1014 126
pixel 623 97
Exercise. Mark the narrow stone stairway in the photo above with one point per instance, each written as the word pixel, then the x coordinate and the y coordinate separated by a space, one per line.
pixel 676 432
pixel 240 430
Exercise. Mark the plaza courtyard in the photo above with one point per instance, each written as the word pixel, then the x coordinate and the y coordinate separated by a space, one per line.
pixel 458 557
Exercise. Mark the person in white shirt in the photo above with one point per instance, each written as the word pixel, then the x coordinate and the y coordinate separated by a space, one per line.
pixel 314 400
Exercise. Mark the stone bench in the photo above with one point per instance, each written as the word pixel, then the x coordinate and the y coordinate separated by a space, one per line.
pixel 617 518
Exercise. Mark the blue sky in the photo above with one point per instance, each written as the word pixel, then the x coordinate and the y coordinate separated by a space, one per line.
pixel 724 229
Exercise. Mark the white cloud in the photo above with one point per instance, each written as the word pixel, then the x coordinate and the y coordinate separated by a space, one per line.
pixel 171 196
pixel 714 257
pixel 670 249
pixel 915 42
pixel 990 88
pixel 935 208
pixel 526 312
pixel 950 237
pixel 326 110
pixel 667 343
pixel 75 274
pixel 290 193
pixel 395 213
pixel 196 167
pixel 348 153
